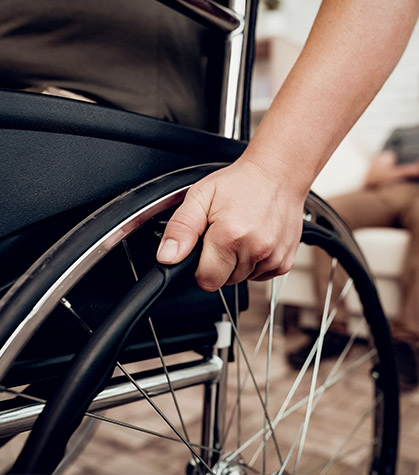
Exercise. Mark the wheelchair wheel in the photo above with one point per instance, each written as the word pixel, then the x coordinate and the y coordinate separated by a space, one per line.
pixel 103 275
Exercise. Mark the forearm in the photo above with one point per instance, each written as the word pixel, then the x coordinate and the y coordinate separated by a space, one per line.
pixel 353 47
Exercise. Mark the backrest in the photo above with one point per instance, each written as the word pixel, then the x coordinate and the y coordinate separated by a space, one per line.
pixel 236 20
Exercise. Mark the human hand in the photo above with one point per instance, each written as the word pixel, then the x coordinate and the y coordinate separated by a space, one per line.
pixel 384 169
pixel 252 224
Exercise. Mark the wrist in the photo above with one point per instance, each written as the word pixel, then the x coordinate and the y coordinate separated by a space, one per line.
pixel 282 165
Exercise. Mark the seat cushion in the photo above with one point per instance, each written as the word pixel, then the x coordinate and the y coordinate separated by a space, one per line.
pixel 384 249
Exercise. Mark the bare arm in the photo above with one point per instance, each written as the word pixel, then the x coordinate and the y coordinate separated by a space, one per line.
pixel 252 210
pixel 353 47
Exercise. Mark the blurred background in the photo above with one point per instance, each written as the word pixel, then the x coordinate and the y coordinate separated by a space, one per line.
pixel 283 26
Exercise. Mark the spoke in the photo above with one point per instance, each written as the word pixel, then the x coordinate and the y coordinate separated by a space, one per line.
pixel 323 330
pixel 353 450
pixel 163 416
pixel 130 259
pixel 311 404
pixel 340 454
pixel 251 375
pixel 246 377
pixel 142 429
pixel 69 307
pixel 291 450
pixel 238 400
pixel 166 372
pixel 331 380
pixel 368 356
pixel 273 303
pixel 142 391
pixel 282 283
pixel 307 363
pixel 8 285
pixel 22 395
pixel 268 365
pixel 315 470
pixel 282 411
pixel 252 359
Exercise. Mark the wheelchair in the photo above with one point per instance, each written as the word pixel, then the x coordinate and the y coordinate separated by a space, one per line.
pixel 90 321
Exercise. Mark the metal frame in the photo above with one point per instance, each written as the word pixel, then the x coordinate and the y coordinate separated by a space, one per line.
pixel 234 22
pixel 14 421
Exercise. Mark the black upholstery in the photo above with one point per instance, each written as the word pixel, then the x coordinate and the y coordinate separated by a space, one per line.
pixel 60 159
pixel 57 154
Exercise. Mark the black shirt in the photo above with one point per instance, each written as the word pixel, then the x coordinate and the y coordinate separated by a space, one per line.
pixel 137 55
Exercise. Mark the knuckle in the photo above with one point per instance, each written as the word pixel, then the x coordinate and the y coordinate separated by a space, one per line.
pixel 206 283
pixel 286 265
pixel 194 193
pixel 281 264
pixel 182 222
pixel 259 247
pixel 262 249
pixel 232 236
pixel 284 269
pixel 197 193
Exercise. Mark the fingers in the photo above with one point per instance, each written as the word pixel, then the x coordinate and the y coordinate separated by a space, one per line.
pixel 183 230
pixel 270 269
pixel 241 272
pixel 230 253
pixel 227 259
pixel 256 252
pixel 216 264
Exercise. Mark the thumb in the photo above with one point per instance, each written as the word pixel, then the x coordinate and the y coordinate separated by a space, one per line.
pixel 184 229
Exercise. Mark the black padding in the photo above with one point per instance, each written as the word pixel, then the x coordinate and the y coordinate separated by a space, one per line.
pixel 57 154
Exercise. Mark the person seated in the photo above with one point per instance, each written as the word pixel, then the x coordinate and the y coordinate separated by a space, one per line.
pixel 139 56
pixel 388 197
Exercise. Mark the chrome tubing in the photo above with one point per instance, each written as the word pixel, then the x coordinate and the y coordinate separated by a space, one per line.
pixel 14 421
pixel 234 22
pixel 208 13
pixel 234 68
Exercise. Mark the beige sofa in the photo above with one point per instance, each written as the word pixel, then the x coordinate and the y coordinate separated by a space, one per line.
pixel 384 249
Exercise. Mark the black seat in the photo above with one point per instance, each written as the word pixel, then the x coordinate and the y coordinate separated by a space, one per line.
pixel 81 152
pixel 61 158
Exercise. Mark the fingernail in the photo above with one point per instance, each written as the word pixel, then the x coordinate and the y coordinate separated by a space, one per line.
pixel 167 251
